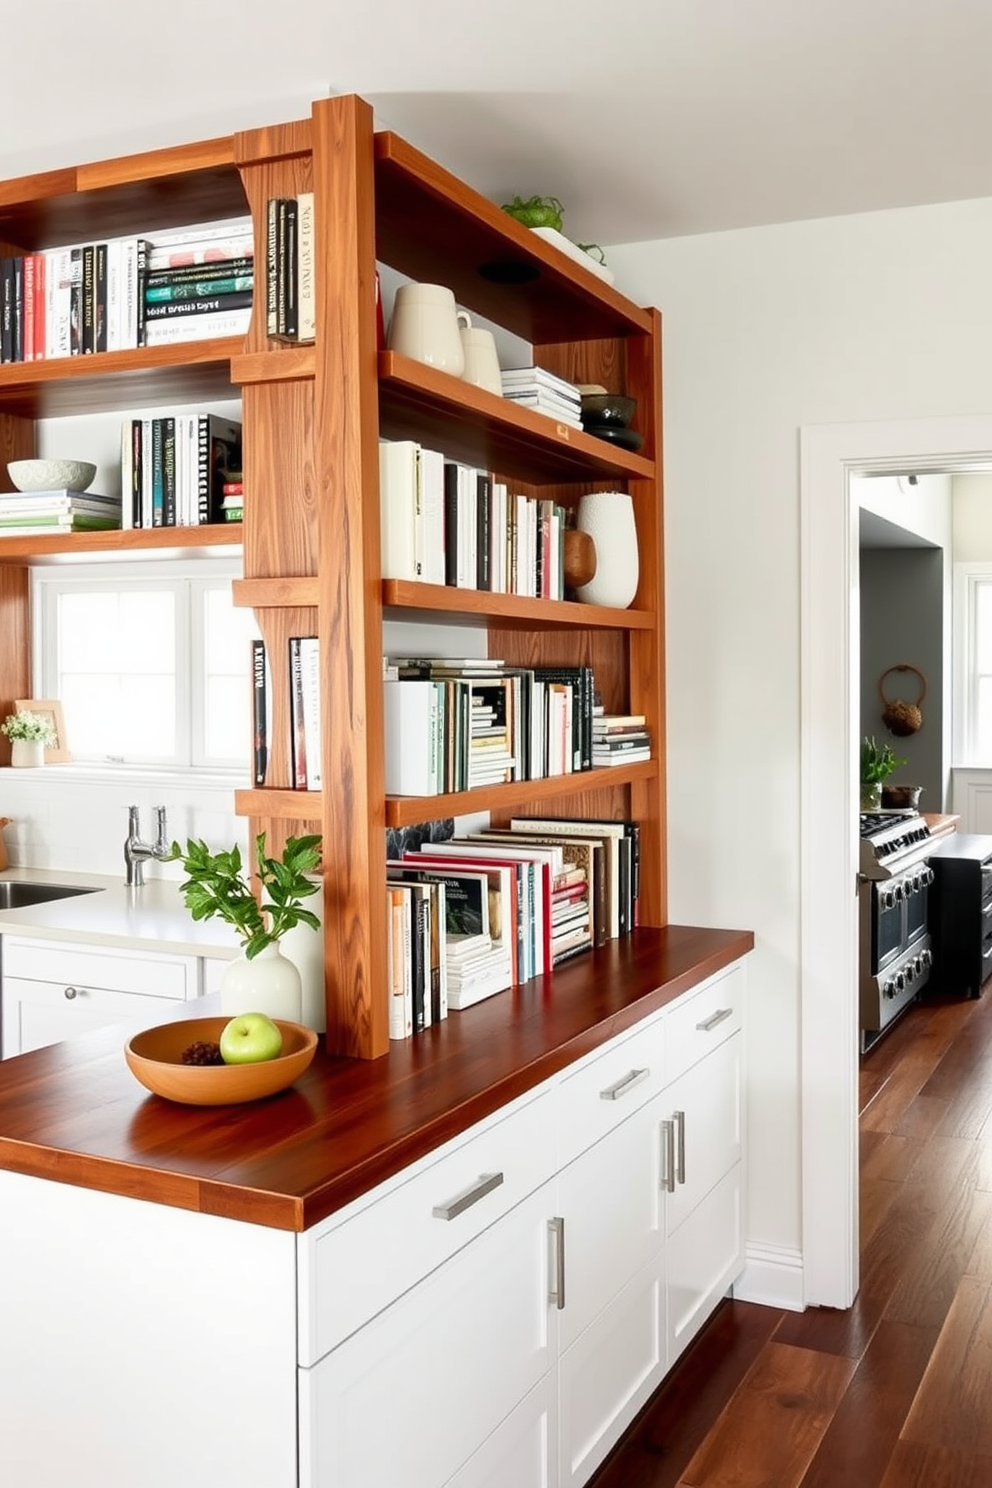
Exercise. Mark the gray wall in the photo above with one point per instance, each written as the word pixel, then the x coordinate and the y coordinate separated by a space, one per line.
pixel 902 609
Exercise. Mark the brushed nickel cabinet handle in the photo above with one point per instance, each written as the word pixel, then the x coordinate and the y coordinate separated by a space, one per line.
pixel 714 1019
pixel 678 1118
pixel 668 1156
pixel 485 1184
pixel 556 1292
pixel 70 993
pixel 621 1087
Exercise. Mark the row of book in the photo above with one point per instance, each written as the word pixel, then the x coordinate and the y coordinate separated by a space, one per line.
pixel 290 303
pixel 459 724
pixel 177 469
pixel 443 522
pixel 304 712
pixel 514 903
pixel 127 292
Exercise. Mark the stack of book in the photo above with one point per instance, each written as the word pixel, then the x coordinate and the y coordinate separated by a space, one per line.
pixel 290 306
pixel 305 757
pixel 198 282
pixel 40 513
pixel 533 387
pixel 620 739
pixel 174 468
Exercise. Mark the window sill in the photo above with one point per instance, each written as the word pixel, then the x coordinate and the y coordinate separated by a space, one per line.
pixel 79 772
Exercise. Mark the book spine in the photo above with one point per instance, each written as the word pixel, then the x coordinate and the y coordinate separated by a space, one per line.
pixel 168 472
pixel 158 493
pixel 197 248
pixel 260 711
pixel 137 311
pixel 290 318
pixel 87 340
pixel 197 327
pixel 451 524
pixel 7 311
pixel 222 268
pixel 114 324
pixel 133 494
pixel 306 323
pixel 298 744
pixel 29 292
pixel 198 304
pixel 282 207
pixel 40 305
pixel 100 297
pixel 483 576
pixel 198 289
pixel 310 668
pixel 272 266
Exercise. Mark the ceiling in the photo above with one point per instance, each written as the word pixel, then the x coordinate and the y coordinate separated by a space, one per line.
pixel 647 118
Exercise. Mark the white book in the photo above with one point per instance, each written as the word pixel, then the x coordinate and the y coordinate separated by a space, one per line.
pixel 432 514
pixel 198 327
pixel 306 305
pixel 539 377
pixel 468 526
pixel 412 730
pixel 113 311
pixel 310 668
pixel 400 517
pixel 399 963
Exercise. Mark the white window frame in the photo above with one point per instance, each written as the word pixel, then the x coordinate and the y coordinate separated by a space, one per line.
pixel 46 584
pixel 968 578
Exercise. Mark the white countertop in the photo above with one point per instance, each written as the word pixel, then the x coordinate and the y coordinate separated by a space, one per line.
pixel 151 918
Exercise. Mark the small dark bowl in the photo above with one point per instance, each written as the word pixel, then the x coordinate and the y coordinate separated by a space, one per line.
pixel 607 410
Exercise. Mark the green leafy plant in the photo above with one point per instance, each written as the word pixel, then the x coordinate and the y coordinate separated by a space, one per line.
pixel 877 761
pixel 32 726
pixel 217 885
pixel 536 211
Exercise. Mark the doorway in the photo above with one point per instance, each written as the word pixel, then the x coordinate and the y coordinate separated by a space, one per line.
pixel 830 713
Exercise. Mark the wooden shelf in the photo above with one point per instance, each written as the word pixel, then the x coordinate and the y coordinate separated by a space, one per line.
pixel 472 425
pixel 187 372
pixel 406 811
pixel 433 227
pixel 472 605
pixel 164 542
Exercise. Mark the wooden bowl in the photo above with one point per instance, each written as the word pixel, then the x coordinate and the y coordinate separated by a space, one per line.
pixel 154 1057
pixel 579 558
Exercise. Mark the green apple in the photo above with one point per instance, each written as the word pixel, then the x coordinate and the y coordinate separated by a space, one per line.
pixel 249 1038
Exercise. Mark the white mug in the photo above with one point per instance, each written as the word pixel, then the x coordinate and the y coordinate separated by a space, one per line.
pixel 424 326
pixel 481 361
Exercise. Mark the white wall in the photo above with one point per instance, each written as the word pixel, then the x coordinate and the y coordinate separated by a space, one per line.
pixel 973 518
pixel 872 317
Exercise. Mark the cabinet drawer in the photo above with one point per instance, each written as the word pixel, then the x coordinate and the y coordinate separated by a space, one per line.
pixel 609 1088
pixel 351 1268
pixel 701 1020
pixel 125 970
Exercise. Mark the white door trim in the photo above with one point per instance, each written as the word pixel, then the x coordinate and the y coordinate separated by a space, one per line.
pixel 829 455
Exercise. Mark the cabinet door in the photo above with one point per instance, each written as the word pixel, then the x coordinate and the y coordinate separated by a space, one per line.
pixel 412 1395
pixel 40 1013
pixel 703 1258
pixel 613 1322
pixel 523 1450
pixel 704 1108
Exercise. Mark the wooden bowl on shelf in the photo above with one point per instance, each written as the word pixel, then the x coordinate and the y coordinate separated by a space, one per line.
pixel 579 558
pixel 154 1057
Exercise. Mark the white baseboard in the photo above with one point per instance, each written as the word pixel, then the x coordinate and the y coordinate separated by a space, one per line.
pixel 773 1276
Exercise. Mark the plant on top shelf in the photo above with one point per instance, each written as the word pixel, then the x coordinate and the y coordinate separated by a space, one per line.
pixel 33 727
pixel 217 885
pixel 877 763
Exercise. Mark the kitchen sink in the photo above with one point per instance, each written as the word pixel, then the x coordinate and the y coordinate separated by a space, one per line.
pixel 16 894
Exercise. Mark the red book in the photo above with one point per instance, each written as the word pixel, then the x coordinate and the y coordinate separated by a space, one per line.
pixel 40 291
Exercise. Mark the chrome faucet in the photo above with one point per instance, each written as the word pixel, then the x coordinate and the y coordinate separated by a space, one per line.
pixel 136 851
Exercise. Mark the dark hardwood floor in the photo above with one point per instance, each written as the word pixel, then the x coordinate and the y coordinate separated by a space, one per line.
pixel 897 1391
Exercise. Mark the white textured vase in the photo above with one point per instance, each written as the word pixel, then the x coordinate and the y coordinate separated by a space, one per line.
pixel 27 753
pixel 608 518
pixel 269 984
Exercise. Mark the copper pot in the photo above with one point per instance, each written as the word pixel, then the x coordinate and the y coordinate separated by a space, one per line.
pixel 902 796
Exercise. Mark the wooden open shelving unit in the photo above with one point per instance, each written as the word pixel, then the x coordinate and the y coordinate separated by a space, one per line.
pixel 312 418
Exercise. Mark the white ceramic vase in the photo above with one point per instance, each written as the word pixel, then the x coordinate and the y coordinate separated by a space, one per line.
pixel 608 518
pixel 27 753
pixel 269 983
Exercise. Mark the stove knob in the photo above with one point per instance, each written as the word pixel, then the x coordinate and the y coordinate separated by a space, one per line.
pixel 887 989
pixel 900 981
pixel 928 877
pixel 900 892
pixel 927 958
pixel 886 898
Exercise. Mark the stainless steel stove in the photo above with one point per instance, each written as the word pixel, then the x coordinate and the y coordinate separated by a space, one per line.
pixel 894 952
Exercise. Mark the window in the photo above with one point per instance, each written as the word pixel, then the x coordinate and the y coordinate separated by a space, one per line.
pixel 151 662
pixel 973 663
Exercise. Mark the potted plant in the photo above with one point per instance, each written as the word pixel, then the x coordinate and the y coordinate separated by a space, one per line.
pixel 28 734
pixel 261 979
pixel 877 763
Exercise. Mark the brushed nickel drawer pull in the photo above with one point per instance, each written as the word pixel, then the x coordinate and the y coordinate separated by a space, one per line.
pixel 679 1119
pixel 714 1018
pixel 668 1156
pixel 485 1184
pixel 556 1229
pixel 614 1092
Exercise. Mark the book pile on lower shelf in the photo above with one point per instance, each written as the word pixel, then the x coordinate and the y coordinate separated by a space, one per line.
pixel 457 724
pixel 513 904
pixel 533 387
pixel 444 522
pixel 174 468
pixel 290 305
pixel 620 739
pixel 305 757
pixel 47 513
pixel 127 292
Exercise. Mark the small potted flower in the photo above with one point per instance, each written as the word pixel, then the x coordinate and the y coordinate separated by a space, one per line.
pixel 877 763
pixel 28 733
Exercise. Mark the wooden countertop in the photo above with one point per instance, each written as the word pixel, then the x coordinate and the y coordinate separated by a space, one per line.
pixel 74 1112
pixel 940 825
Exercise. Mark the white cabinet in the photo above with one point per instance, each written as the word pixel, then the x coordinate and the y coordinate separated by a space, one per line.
pixel 52 990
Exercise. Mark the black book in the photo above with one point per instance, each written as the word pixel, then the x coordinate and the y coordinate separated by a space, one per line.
pixel 88 332
pixel 168 472
pixel 218 268
pixel 235 299
pixel 260 711
pixel 75 301
pixel 134 493
pixel 100 297
pixel 288 265
pixel 450 523
pixel 297 726
pixel 7 310
pixel 18 310
pixel 483 509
